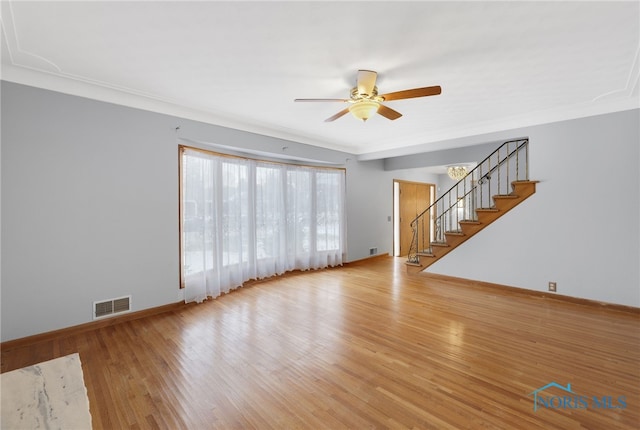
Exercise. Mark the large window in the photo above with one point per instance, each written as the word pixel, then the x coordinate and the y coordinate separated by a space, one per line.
pixel 245 219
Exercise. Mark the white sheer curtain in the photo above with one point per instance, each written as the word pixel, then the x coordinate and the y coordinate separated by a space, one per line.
pixel 246 219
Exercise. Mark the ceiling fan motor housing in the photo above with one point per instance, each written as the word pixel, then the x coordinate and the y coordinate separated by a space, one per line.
pixel 356 95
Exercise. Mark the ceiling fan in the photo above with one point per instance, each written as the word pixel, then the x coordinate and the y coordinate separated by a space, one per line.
pixel 365 100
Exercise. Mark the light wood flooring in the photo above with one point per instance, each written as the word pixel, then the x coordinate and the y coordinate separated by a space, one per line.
pixel 363 346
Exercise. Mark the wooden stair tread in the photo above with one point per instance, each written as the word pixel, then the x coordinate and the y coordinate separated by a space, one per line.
pixel 487 210
pixel 442 244
pixel 411 263
pixel 469 221
pixel 506 196
pixel 454 233
pixel 425 254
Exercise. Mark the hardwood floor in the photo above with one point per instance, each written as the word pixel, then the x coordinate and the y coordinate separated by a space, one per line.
pixel 364 346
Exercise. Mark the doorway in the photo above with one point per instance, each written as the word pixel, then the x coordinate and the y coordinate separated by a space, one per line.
pixel 409 200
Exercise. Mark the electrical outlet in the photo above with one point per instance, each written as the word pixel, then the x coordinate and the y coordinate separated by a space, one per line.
pixel 552 286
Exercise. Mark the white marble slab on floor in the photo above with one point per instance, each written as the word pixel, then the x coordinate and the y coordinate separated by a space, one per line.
pixel 47 395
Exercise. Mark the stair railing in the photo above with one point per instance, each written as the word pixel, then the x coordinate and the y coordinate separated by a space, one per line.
pixel 492 176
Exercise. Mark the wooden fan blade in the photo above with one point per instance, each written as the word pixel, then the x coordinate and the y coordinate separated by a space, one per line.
pixel 338 115
pixel 321 100
pixel 409 94
pixel 366 81
pixel 388 113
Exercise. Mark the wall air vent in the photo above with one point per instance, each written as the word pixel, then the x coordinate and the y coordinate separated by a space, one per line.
pixel 111 307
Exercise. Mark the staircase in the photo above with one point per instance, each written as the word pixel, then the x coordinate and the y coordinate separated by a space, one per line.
pixel 495 186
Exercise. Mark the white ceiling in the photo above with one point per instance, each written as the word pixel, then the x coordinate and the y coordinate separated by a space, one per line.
pixel 501 65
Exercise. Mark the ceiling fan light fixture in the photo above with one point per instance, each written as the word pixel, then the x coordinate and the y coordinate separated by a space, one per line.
pixel 363 109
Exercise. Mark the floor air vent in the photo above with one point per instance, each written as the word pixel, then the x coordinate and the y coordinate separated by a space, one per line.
pixel 110 307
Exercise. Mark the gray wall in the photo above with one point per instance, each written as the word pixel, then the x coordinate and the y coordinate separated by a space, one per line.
pixel 475 151
pixel 90 207
pixel 580 229
pixel 370 204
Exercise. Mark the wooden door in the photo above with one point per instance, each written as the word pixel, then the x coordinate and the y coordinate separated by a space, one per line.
pixel 413 198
